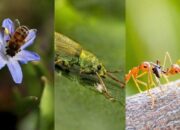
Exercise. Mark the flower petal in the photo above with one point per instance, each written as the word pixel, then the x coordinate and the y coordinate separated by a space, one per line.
pixel 30 38
pixel 3 58
pixel 24 56
pixel 1 36
pixel 2 62
pixel 7 23
pixel 15 70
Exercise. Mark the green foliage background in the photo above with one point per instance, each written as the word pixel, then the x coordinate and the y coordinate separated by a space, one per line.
pixel 152 29
pixel 98 25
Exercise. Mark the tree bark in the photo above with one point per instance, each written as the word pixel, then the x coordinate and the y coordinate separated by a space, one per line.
pixel 165 115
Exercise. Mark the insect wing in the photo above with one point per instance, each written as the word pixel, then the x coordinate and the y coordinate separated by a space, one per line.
pixel 16 23
pixel 30 38
pixel 66 47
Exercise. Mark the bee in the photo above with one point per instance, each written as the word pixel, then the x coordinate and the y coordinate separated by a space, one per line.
pixel 68 54
pixel 17 39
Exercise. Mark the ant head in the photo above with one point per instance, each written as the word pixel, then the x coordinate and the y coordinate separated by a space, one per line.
pixel 145 66
pixel 175 69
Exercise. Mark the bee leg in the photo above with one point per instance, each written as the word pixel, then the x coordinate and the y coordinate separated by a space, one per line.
pixel 104 89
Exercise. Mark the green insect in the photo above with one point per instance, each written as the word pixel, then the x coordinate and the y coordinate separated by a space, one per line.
pixel 69 54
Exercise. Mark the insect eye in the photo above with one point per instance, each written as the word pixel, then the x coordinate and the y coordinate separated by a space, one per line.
pixel 99 67
pixel 145 66
pixel 176 71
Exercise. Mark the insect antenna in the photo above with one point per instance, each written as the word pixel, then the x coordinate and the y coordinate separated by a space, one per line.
pixel 115 71
pixel 122 84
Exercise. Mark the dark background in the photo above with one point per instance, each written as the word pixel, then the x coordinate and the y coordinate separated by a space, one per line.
pixel 31 101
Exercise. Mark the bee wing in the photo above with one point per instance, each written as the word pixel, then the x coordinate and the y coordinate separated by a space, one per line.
pixel 30 38
pixel 66 47
pixel 17 23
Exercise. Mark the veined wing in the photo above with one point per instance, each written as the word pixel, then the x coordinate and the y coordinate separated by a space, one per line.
pixel 64 46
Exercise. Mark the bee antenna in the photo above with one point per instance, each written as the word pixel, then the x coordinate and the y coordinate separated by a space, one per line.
pixel 122 84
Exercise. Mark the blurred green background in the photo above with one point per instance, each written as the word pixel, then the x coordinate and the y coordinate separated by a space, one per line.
pixel 98 25
pixel 30 103
pixel 152 29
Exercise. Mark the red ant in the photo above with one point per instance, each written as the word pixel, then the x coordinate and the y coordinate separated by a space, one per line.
pixel 174 69
pixel 152 68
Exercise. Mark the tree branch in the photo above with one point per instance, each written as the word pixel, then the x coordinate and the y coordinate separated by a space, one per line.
pixel 164 116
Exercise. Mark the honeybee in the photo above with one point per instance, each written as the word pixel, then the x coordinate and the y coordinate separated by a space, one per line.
pixel 16 40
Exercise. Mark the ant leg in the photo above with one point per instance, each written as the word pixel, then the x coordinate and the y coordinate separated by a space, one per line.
pixel 149 86
pixel 159 84
pixel 137 85
pixel 104 89
pixel 151 80
pixel 141 75
pixel 167 55
pixel 143 83
pixel 165 77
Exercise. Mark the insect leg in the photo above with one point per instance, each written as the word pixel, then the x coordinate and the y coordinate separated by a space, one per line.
pixel 122 84
pixel 137 85
pixel 149 86
pixel 63 64
pixel 159 84
pixel 141 82
pixel 151 79
pixel 165 77
pixel 115 71
pixel 167 55
pixel 105 91
pixel 141 75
